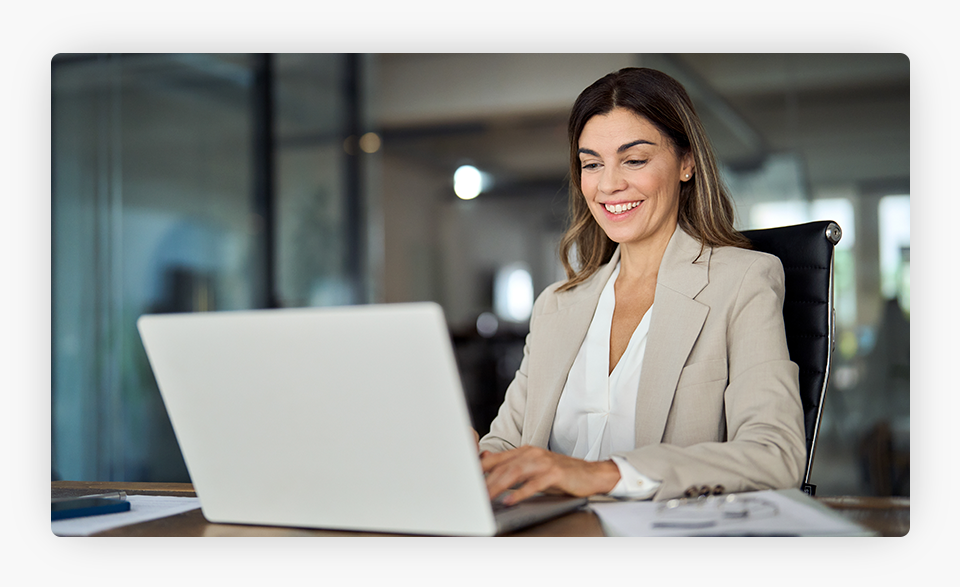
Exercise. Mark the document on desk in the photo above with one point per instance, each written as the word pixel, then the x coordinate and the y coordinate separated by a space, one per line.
pixel 143 508
pixel 787 512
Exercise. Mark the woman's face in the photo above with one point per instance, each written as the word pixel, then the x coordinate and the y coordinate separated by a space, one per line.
pixel 630 175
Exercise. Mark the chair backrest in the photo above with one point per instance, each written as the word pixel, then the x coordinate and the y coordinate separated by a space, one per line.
pixel 806 252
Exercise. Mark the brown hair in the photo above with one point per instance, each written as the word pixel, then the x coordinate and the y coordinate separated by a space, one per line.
pixel 706 210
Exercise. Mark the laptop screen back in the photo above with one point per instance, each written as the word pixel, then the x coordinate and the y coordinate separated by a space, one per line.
pixel 343 418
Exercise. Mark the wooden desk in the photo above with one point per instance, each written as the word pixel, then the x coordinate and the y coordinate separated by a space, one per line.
pixel 888 516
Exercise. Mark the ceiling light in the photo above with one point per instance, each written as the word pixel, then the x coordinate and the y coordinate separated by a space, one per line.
pixel 467 182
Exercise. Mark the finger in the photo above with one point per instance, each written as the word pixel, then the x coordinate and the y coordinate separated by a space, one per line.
pixel 489 460
pixel 506 474
pixel 533 486
pixel 503 478
pixel 516 469
pixel 544 472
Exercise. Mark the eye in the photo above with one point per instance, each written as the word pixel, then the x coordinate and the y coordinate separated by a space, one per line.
pixel 636 162
pixel 589 166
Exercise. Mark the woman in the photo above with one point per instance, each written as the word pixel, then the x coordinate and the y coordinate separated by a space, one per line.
pixel 659 368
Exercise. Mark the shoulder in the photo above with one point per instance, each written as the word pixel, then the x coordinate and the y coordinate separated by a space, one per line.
pixel 549 299
pixel 737 257
pixel 742 273
pixel 552 298
pixel 737 263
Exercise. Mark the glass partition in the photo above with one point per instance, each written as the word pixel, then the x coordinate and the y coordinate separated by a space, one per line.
pixel 161 178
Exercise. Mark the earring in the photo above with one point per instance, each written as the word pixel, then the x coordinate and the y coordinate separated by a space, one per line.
pixel 687 176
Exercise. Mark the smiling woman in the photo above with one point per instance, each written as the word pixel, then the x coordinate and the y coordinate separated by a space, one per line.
pixel 662 108
pixel 659 367
pixel 631 185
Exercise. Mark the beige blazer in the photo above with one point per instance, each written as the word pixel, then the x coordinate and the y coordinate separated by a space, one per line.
pixel 718 403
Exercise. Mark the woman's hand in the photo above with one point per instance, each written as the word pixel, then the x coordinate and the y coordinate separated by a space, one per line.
pixel 540 470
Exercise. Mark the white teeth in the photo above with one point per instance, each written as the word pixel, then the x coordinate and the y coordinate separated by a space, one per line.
pixel 621 208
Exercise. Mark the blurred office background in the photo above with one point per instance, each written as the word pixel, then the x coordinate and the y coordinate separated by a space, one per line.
pixel 225 182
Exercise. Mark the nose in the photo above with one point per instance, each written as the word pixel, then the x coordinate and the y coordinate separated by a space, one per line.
pixel 611 180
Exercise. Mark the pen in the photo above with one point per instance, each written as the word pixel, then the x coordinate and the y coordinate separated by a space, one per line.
pixel 704 524
pixel 112 495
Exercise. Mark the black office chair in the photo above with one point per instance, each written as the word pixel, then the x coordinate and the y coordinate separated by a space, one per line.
pixel 806 252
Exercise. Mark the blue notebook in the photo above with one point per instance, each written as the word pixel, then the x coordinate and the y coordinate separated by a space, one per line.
pixel 87 506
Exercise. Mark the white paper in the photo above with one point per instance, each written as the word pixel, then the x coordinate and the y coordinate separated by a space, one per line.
pixel 142 509
pixel 794 514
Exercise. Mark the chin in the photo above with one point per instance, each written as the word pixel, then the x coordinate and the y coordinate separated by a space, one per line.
pixel 620 236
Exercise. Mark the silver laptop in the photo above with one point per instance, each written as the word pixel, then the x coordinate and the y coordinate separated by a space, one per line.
pixel 348 418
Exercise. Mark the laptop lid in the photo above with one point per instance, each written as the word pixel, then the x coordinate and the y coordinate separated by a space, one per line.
pixel 344 418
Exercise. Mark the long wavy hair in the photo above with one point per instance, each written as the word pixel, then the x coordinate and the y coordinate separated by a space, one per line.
pixel 706 210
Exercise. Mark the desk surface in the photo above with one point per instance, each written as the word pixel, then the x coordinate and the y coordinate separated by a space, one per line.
pixel 888 516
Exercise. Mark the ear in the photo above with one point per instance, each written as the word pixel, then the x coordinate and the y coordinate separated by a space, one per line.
pixel 686 166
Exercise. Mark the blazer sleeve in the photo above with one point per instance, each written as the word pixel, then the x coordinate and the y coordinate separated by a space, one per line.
pixel 765 446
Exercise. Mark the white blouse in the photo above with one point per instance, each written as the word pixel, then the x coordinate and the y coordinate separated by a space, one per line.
pixel 596 415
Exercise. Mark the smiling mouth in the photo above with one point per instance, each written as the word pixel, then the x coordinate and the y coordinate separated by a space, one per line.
pixel 621 208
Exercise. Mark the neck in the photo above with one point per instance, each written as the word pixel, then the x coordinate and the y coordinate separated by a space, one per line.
pixel 639 261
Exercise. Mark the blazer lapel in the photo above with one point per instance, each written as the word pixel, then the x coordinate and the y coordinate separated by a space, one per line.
pixel 561 332
pixel 674 327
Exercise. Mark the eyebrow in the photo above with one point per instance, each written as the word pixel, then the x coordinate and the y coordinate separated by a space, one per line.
pixel 620 149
